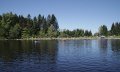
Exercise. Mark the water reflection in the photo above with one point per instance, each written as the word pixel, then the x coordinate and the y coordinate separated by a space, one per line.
pixel 88 43
pixel 20 50
pixel 115 45
pixel 76 43
pixel 103 43
pixel 60 56
pixel 103 47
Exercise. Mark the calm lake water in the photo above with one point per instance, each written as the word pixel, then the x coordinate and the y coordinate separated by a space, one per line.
pixel 60 56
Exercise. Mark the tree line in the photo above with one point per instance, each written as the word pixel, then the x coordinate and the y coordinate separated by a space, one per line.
pixel 114 31
pixel 75 33
pixel 13 26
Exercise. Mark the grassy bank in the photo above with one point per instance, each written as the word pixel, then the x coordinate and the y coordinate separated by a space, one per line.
pixel 67 38
pixel 53 38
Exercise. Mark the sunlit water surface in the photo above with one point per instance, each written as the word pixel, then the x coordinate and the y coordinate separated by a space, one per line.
pixel 60 56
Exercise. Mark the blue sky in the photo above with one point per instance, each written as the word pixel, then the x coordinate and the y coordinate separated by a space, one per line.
pixel 71 14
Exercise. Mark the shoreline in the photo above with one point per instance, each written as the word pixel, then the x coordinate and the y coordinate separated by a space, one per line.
pixel 72 38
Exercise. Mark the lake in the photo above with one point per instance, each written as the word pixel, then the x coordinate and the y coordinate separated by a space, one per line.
pixel 102 55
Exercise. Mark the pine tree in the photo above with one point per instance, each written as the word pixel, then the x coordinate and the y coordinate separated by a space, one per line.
pixel 54 22
pixel 112 29
pixel 103 30
pixel 39 21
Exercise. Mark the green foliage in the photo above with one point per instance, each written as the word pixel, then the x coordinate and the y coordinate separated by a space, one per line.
pixel 75 33
pixel 25 33
pixel 2 32
pixel 87 33
pixel 42 34
pixel 62 34
pixel 112 29
pixel 52 31
pixel 0 19
pixel 115 29
pixel 13 26
pixel 15 32
pixel 103 30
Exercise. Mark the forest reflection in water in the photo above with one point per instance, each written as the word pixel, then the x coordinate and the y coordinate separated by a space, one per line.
pixel 60 55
